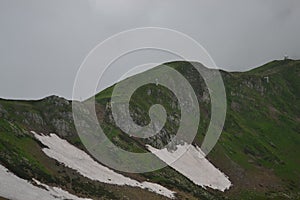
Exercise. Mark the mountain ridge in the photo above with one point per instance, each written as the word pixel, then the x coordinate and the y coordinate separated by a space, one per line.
pixel 252 150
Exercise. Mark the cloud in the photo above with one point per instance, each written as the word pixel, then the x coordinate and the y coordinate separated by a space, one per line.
pixel 44 43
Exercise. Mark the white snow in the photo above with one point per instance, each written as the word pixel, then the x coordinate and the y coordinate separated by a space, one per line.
pixel 13 187
pixel 193 165
pixel 80 161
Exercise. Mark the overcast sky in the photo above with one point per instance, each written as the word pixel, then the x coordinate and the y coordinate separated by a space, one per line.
pixel 43 42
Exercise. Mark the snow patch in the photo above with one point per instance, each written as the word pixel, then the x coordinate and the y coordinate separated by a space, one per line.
pixel 13 187
pixel 80 161
pixel 193 165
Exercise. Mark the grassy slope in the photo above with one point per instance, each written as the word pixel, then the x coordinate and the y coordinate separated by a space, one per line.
pixel 261 134
pixel 258 149
pixel 22 154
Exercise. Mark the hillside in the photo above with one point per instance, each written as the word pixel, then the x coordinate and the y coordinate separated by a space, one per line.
pixel 258 150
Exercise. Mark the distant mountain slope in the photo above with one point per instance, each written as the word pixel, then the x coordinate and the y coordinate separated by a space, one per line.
pixel 259 148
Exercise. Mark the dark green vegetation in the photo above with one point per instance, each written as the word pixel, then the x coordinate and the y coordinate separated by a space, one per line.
pixel 262 134
pixel 259 148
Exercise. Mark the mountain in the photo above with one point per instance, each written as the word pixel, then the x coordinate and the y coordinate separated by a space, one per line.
pixel 258 150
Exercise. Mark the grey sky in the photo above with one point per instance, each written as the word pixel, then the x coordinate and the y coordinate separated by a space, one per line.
pixel 43 42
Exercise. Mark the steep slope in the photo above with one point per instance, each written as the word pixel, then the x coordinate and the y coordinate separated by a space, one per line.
pixel 258 149
pixel 261 135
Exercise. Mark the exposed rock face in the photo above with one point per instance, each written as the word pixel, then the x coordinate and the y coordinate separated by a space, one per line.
pixel 57 101
pixel 31 117
pixel 62 127
pixel 59 116
pixel 255 84
pixel 52 114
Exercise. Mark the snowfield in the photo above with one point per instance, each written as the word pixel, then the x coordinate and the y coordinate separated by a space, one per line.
pixel 76 159
pixel 193 165
pixel 13 187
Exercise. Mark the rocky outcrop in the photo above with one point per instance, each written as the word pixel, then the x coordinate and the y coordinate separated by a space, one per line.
pixel 33 118
pixel 62 127
pixel 57 101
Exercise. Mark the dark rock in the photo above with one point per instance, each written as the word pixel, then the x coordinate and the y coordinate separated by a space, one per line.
pixel 58 101
pixel 33 118
pixel 61 127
